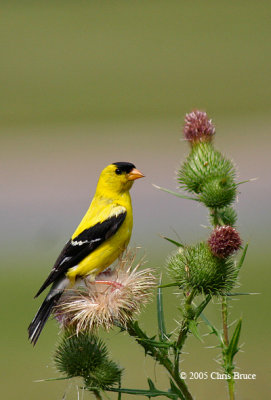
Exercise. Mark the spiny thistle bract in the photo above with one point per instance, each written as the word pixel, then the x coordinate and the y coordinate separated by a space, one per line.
pixel 196 268
pixel 223 216
pixel 86 356
pixel 207 172
pixel 204 162
pixel 218 192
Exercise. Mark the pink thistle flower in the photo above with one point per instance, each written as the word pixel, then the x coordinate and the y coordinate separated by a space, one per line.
pixel 113 298
pixel 224 241
pixel 198 128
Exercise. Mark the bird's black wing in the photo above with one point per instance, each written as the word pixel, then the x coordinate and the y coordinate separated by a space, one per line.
pixel 80 247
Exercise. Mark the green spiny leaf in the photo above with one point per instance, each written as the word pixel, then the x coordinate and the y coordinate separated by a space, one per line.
pixel 242 182
pixel 160 315
pixel 232 349
pixel 242 259
pixel 176 194
pixel 175 389
pixel 151 384
pixel 194 329
pixel 173 241
pixel 212 328
pixel 162 345
pixel 62 378
pixel 147 393
pixel 202 306
pixel 169 285
pixel 240 294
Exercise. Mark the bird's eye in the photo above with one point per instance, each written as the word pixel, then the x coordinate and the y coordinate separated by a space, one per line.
pixel 118 171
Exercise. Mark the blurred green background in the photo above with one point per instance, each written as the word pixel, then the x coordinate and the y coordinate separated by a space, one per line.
pixel 87 83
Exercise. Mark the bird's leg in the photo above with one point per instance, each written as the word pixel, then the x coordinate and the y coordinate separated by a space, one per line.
pixel 115 284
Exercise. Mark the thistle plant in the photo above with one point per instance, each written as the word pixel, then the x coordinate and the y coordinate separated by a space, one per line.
pixel 200 271
pixel 209 268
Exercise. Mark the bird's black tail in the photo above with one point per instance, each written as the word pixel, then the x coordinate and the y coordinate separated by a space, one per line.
pixel 36 326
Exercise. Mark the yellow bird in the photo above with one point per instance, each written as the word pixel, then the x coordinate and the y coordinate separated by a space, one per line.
pixel 101 237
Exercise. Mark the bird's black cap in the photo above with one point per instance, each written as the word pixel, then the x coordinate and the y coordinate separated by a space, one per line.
pixel 124 166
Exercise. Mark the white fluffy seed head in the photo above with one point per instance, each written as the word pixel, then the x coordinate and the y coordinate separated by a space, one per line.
pixel 113 298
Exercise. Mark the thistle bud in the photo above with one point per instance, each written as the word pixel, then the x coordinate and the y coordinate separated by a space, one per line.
pixel 203 164
pixel 224 241
pixel 196 268
pixel 198 128
pixel 218 192
pixel 86 356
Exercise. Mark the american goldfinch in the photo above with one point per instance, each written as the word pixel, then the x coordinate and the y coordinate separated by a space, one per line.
pixel 100 238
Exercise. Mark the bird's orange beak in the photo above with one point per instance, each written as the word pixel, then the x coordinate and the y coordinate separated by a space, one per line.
pixel 135 174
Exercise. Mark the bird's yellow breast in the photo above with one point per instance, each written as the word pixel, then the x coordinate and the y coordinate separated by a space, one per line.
pixel 112 248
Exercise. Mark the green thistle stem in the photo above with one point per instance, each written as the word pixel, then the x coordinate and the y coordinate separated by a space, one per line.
pixel 97 395
pixel 161 357
pixel 213 213
pixel 225 320
pixel 184 328
pixel 227 365
pixel 183 333
pixel 231 385
pixel 216 219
